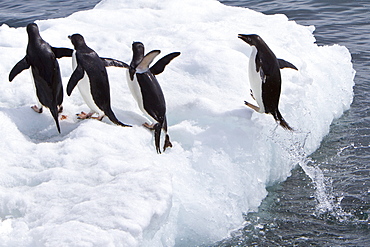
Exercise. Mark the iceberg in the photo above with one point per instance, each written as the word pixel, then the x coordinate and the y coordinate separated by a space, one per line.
pixel 98 184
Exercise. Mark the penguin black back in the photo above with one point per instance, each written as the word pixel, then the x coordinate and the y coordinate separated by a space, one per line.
pixel 41 58
pixel 268 67
pixel 90 63
pixel 147 91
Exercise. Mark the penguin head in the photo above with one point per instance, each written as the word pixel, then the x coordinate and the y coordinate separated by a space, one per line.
pixel 137 54
pixel 138 47
pixel 77 40
pixel 251 39
pixel 33 30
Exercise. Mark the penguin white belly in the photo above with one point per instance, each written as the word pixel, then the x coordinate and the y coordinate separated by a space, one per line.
pixel 85 90
pixel 136 93
pixel 255 80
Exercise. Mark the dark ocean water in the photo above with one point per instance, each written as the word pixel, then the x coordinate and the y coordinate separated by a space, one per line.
pixel 18 13
pixel 293 214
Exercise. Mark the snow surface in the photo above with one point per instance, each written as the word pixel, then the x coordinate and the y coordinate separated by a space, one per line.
pixel 98 184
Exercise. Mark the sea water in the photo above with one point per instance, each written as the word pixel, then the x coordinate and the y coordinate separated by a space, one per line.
pixel 334 209
pixel 326 200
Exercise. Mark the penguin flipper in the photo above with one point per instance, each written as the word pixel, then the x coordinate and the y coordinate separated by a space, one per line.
pixel 148 58
pixel 18 68
pixel 263 76
pixel 110 62
pixel 256 108
pixel 285 64
pixel 62 52
pixel 159 66
pixel 76 76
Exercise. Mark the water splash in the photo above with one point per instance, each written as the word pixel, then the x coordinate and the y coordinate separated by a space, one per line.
pixel 280 211
pixel 328 205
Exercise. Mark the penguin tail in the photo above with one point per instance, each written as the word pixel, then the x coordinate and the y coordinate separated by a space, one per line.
pixel 279 118
pixel 157 138
pixel 54 112
pixel 157 128
pixel 114 119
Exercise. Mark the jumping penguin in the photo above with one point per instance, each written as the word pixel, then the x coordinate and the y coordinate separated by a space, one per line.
pixel 265 78
pixel 147 92
pixel 90 75
pixel 45 72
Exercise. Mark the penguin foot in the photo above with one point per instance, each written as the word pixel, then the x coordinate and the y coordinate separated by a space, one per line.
pixel 83 115
pixel 256 108
pixel 167 143
pixel 98 118
pixel 149 126
pixel 60 109
pixel 36 109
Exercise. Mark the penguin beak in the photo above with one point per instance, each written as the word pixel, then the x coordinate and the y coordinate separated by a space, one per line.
pixel 245 38
pixel 69 36
pixel 241 36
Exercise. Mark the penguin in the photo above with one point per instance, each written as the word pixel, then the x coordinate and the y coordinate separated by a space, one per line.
pixel 265 78
pixel 45 72
pixel 90 75
pixel 147 92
